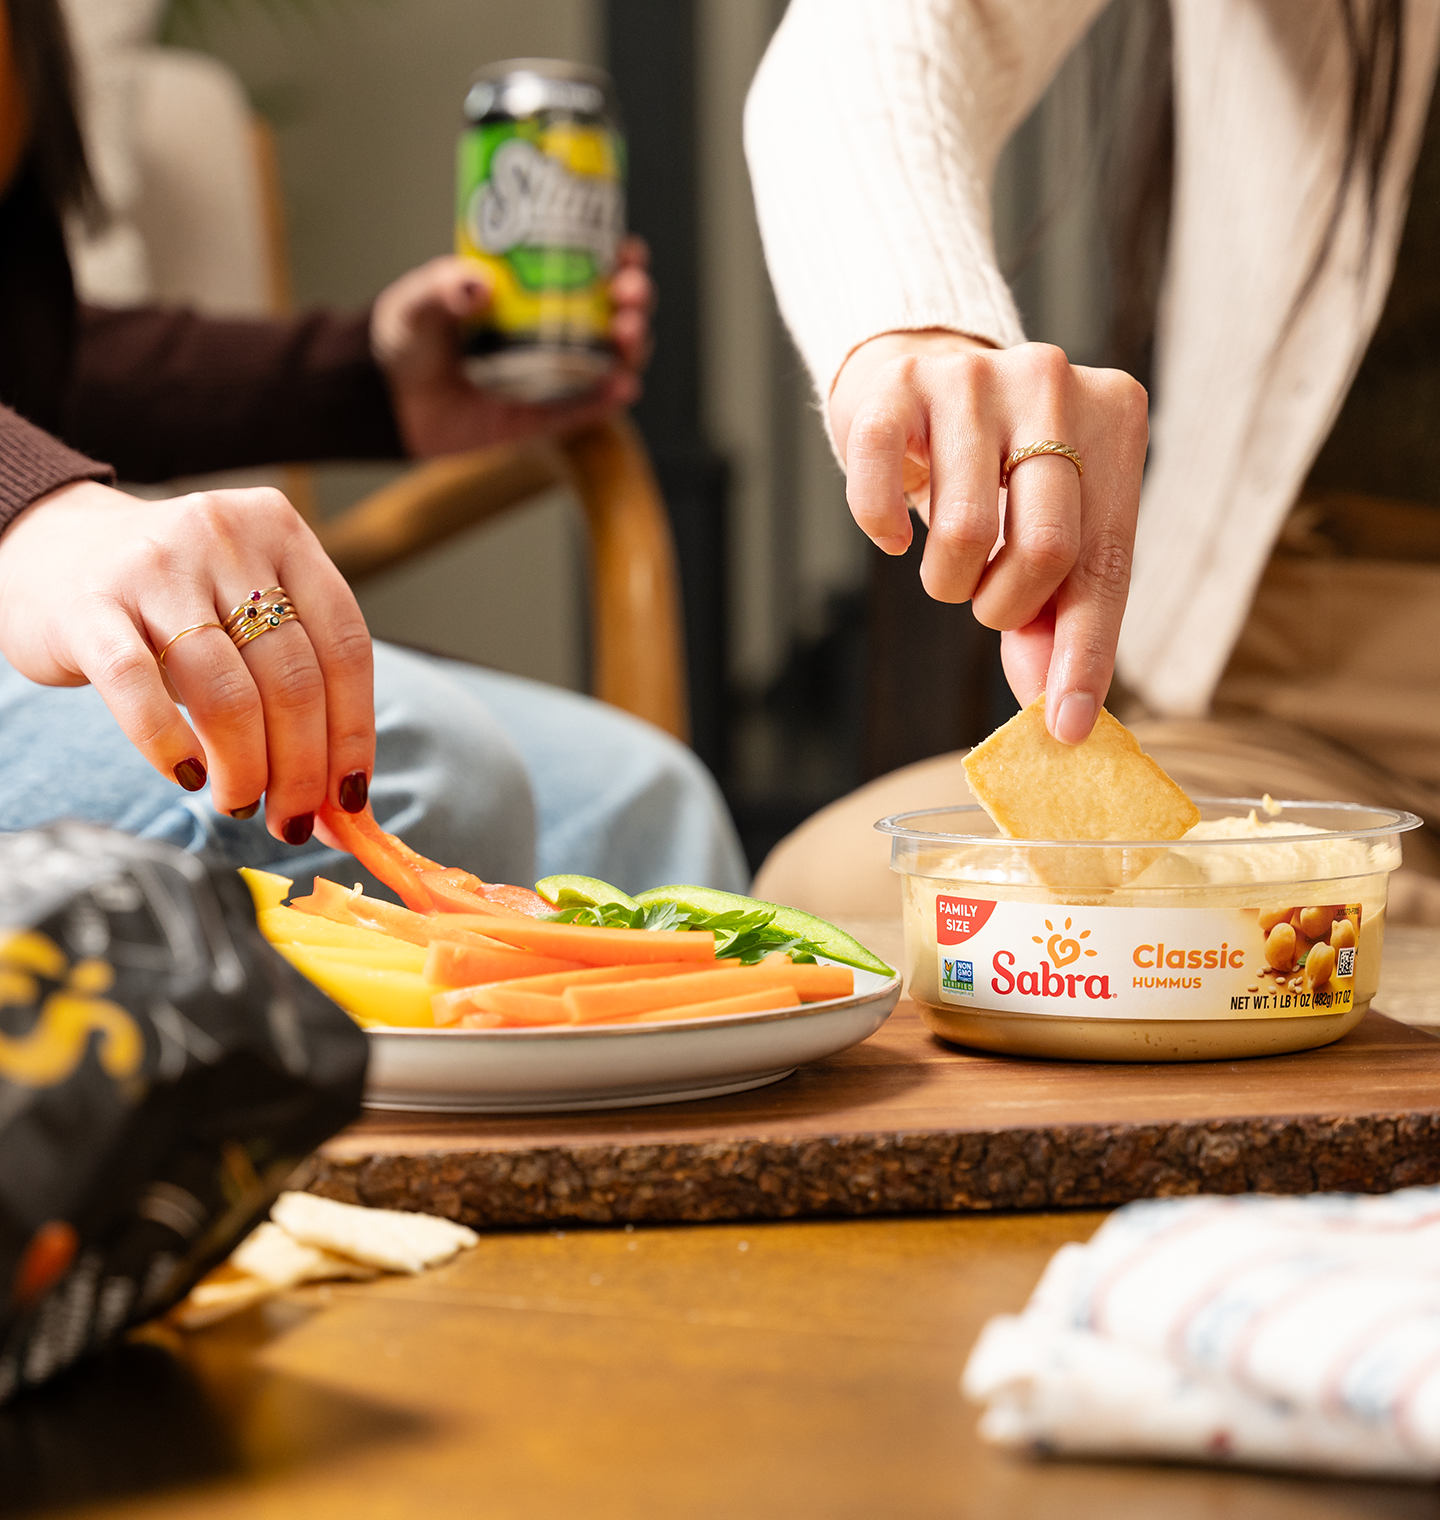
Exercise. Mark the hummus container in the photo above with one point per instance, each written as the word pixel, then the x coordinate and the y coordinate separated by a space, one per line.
pixel 1258 932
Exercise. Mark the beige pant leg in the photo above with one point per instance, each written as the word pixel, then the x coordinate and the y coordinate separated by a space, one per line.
pixel 836 865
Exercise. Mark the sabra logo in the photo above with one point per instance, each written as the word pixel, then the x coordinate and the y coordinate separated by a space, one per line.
pixel 1062 951
pixel 1051 980
pixel 533 199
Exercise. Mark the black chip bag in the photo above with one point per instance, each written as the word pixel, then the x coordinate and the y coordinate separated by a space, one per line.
pixel 162 1073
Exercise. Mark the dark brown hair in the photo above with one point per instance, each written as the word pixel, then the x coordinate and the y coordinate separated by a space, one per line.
pixel 47 76
pixel 1141 152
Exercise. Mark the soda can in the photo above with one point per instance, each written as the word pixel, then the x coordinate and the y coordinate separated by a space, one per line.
pixel 541 204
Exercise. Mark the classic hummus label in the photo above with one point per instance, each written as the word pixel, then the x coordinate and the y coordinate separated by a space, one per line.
pixel 1291 960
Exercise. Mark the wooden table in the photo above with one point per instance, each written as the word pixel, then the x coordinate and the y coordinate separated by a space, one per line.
pixel 775 1370
pixel 786 1369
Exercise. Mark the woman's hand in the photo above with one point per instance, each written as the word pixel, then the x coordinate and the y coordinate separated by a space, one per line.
pixel 94 583
pixel 415 336
pixel 935 415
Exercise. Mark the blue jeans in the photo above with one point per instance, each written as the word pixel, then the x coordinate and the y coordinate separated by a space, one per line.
pixel 502 776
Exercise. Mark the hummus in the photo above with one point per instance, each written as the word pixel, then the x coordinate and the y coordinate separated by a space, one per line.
pixel 1250 935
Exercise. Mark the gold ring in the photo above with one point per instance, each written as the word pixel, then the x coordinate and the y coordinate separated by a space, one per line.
pixel 238 613
pixel 259 613
pixel 1032 450
pixel 193 628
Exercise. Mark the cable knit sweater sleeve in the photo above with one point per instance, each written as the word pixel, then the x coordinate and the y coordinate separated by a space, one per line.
pixel 32 464
pixel 872 131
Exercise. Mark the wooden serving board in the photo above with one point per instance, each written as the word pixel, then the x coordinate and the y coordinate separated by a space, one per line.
pixel 905 1123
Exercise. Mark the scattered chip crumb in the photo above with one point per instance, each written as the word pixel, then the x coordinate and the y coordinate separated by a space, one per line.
pixel 275 1256
pixel 384 1238
pixel 210 1301
pixel 312 1239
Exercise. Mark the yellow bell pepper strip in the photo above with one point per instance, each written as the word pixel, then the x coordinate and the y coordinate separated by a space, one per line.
pixel 371 995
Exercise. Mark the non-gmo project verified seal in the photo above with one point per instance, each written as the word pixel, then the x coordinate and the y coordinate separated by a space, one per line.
pixel 957 976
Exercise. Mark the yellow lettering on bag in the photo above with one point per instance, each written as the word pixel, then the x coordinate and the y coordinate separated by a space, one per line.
pixel 56 1044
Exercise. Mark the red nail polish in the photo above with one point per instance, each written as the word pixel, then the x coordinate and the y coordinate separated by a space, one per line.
pixel 245 812
pixel 191 774
pixel 299 828
pixel 354 792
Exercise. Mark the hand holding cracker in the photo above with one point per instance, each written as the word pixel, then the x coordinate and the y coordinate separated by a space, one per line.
pixel 1035 787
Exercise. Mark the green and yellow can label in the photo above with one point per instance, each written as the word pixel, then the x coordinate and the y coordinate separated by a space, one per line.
pixel 542 206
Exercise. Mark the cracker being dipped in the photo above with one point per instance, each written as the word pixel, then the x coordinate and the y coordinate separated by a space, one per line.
pixel 1035 787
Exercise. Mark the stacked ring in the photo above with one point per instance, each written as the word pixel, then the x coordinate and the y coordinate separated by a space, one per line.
pixel 259 613
pixel 1034 450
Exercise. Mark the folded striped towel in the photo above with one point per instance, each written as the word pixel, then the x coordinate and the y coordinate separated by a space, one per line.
pixel 1292 1332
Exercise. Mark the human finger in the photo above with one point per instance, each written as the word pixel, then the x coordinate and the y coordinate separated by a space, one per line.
pixel 113 656
pixel 630 333
pixel 890 416
pixel 1090 603
pixel 342 646
pixel 633 287
pixel 206 673
pixel 964 477
pixel 1043 493
pixel 1025 655
pixel 632 252
pixel 292 692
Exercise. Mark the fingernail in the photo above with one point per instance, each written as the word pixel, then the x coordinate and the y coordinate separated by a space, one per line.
pixel 299 828
pixel 1075 717
pixel 354 791
pixel 191 774
pixel 245 812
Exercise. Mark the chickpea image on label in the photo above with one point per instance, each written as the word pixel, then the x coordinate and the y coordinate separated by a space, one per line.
pixel 1273 916
pixel 1315 922
pixel 1280 947
pixel 1342 934
pixel 1319 967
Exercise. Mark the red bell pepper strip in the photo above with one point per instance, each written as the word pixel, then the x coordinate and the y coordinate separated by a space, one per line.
pixel 521 899
pixel 422 884
pixel 382 854
pixel 452 896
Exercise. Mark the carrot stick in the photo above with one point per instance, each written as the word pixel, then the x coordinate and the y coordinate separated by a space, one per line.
pixel 327 899
pixel 751 1002
pixel 617 1000
pixel 554 985
pixel 403 923
pixel 772 999
pixel 454 964
pixel 484 1021
pixel 518 1007
pixel 814 983
pixel 452 1006
pixel 599 947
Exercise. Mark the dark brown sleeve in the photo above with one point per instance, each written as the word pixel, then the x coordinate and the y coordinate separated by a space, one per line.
pixel 161 393
pixel 32 464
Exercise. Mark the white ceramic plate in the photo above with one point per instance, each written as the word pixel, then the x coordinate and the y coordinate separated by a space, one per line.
pixel 490 1071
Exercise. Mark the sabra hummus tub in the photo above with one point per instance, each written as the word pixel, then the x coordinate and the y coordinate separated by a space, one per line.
pixel 1257 932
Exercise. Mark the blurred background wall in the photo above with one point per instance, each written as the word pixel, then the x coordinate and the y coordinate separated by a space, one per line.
pixel 810 656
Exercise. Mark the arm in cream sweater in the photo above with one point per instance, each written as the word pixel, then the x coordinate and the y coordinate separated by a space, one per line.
pixel 872 131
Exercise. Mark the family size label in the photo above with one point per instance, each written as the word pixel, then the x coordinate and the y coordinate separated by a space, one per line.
pixel 1290 961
